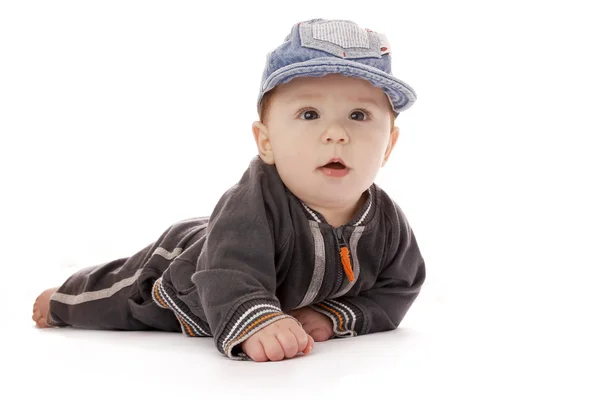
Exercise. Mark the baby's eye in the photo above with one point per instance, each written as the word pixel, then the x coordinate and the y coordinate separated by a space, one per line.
pixel 358 116
pixel 309 115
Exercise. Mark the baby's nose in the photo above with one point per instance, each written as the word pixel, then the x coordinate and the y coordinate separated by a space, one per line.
pixel 336 133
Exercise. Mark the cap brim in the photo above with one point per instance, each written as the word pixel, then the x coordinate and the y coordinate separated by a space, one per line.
pixel 401 95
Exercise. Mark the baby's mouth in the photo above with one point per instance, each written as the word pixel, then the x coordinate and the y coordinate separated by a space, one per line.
pixel 334 165
pixel 335 168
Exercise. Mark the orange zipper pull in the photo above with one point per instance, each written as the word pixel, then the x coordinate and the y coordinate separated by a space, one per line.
pixel 346 263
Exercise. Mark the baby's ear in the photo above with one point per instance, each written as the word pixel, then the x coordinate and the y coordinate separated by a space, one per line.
pixel 263 142
pixel 391 144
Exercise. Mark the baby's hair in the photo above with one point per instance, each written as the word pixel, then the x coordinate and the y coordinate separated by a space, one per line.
pixel 265 103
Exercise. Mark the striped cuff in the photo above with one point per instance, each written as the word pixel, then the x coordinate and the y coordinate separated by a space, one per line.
pixel 347 318
pixel 249 318
pixel 166 297
pixel 53 322
pixel 51 319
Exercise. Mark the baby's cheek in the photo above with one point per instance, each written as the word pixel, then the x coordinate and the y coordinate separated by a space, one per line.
pixel 287 161
pixel 295 177
pixel 289 175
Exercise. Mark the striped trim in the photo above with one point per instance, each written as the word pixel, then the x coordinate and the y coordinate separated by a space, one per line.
pixel 166 254
pixel 319 266
pixel 310 211
pixel 343 317
pixel 84 297
pixel 258 314
pixel 362 218
pixel 190 323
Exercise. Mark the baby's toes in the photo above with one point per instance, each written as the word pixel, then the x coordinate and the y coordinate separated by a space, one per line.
pixel 41 308
pixel 36 315
pixel 41 322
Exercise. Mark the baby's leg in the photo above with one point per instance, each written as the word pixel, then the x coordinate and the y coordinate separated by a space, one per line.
pixel 106 296
pixel 101 297
pixel 117 295
pixel 40 308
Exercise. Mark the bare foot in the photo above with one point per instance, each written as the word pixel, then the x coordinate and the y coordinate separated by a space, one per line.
pixel 41 307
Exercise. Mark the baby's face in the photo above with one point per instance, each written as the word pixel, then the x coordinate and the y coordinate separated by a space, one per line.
pixel 312 120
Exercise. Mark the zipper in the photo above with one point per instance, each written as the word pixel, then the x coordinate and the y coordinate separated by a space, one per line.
pixel 344 255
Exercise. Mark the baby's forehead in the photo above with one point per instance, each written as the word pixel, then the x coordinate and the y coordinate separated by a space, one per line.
pixel 350 98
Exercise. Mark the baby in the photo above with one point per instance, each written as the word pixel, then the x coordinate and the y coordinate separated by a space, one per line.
pixel 305 247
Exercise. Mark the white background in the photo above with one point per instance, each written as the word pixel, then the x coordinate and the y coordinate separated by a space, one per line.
pixel 118 118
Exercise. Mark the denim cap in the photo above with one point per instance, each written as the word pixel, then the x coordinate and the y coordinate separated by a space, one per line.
pixel 319 47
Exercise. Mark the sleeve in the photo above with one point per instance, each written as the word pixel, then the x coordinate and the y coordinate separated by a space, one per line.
pixel 235 275
pixel 383 306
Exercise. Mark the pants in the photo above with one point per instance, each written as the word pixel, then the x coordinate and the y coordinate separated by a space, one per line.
pixel 118 295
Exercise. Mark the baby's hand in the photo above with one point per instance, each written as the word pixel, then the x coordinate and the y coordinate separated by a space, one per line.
pixel 282 339
pixel 317 325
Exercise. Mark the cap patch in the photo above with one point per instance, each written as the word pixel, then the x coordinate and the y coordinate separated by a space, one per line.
pixel 342 33
pixel 343 39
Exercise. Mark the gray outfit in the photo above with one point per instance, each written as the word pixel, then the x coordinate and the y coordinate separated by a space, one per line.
pixel 261 253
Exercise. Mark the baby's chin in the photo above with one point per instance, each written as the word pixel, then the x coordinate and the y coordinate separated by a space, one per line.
pixel 321 190
pixel 329 197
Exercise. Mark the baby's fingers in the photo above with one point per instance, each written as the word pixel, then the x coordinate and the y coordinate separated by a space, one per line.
pixel 309 346
pixel 301 337
pixel 289 343
pixel 254 349
pixel 273 349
